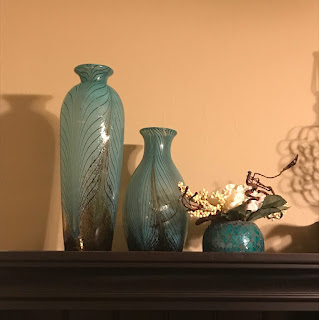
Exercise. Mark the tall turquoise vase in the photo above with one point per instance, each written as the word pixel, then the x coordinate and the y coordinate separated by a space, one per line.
pixel 91 147
pixel 154 219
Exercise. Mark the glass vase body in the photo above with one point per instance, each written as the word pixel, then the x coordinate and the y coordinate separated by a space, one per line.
pixel 233 236
pixel 154 218
pixel 91 147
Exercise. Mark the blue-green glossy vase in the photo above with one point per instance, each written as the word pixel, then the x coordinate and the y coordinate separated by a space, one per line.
pixel 233 236
pixel 154 219
pixel 91 132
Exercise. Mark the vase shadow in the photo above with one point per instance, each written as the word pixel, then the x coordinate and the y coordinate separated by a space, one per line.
pixel 302 238
pixel 27 144
pixel 129 163
pixel 195 235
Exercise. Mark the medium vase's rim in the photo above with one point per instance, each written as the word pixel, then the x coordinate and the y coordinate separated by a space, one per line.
pixel 93 71
pixel 159 130
pixel 92 65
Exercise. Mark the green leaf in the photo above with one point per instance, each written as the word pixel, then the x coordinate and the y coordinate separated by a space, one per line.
pixel 237 213
pixel 273 201
pixel 283 208
pixel 261 213
pixel 271 204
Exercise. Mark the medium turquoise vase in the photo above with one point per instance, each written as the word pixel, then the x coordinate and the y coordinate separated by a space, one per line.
pixel 154 218
pixel 233 236
pixel 91 132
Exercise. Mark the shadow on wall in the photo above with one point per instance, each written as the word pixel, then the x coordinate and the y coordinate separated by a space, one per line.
pixel 302 181
pixel 303 239
pixel 195 234
pixel 130 153
pixel 27 146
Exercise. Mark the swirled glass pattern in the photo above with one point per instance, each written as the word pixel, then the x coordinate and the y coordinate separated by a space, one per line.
pixel 91 147
pixel 154 218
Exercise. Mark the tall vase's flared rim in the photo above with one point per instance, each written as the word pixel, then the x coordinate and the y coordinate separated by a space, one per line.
pixel 159 130
pixel 92 66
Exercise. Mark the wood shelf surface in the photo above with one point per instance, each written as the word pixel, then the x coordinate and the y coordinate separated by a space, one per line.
pixel 149 257
pixel 158 281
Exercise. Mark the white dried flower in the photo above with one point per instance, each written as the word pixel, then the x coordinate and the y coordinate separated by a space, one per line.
pixel 230 197
pixel 205 208
pixel 254 205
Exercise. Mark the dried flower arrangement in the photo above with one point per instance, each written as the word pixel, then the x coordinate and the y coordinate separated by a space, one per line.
pixel 248 202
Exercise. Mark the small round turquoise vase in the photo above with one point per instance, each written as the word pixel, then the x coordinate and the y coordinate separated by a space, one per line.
pixel 233 236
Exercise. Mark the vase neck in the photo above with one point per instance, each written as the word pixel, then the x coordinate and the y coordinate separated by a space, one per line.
pixel 93 72
pixel 158 142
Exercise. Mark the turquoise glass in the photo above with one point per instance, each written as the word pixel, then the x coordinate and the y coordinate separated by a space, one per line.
pixel 233 236
pixel 91 147
pixel 154 218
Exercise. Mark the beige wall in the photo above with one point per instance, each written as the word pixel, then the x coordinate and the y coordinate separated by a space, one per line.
pixel 232 77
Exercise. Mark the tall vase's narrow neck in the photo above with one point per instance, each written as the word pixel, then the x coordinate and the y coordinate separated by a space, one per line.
pixel 93 72
pixel 158 142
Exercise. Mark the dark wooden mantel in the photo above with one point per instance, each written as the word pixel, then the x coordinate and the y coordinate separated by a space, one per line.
pixel 158 281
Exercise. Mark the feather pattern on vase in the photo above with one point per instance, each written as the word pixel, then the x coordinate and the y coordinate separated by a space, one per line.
pixel 91 143
pixel 154 218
